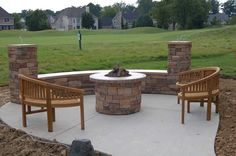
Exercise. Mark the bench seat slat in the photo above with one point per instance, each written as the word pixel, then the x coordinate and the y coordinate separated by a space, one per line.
pixel 54 103
pixel 48 96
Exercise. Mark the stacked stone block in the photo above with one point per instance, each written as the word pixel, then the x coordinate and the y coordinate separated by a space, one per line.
pixel 155 83
pixel 81 81
pixel 22 60
pixel 118 98
pixel 179 60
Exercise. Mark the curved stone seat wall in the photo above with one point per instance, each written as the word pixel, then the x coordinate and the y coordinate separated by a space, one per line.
pixel 155 82
pixel 23 60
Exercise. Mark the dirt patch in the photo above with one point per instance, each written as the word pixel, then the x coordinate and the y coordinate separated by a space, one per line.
pixel 225 142
pixel 15 142
pixel 4 95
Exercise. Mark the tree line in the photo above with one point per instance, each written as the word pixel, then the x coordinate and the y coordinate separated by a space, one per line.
pixel 186 14
pixel 189 14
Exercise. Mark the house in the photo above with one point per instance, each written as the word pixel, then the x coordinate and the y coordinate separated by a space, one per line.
pixel 117 21
pixel 6 20
pixel 70 19
pixel 106 23
pixel 126 18
pixel 222 18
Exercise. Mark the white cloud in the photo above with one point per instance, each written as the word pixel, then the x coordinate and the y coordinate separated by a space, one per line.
pixel 55 5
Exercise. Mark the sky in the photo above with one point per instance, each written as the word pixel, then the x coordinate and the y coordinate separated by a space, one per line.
pixel 12 6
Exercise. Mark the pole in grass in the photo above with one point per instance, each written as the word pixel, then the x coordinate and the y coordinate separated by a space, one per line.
pixel 79 36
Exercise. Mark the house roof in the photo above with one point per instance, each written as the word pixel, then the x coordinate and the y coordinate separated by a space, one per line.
pixel 4 13
pixel 218 16
pixel 72 12
pixel 130 15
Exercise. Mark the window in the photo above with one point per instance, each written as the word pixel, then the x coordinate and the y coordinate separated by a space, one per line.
pixel 6 19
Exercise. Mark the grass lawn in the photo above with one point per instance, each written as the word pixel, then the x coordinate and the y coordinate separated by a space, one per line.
pixel 139 48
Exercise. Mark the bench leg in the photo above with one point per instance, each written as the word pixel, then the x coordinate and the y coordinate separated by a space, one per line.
pixel 50 118
pixel 202 103
pixel 24 115
pixel 82 116
pixel 178 100
pixel 29 109
pixel 53 115
pixel 183 110
pixel 209 109
pixel 188 108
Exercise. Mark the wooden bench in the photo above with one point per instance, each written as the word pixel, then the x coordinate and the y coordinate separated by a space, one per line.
pixel 47 96
pixel 199 85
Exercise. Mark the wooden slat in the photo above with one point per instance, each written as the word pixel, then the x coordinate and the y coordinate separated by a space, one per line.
pixel 200 83
pixel 44 94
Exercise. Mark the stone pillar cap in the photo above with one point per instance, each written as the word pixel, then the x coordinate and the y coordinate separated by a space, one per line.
pixel 22 45
pixel 179 42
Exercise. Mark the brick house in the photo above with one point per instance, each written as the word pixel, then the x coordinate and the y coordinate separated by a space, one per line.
pixel 6 20
pixel 70 19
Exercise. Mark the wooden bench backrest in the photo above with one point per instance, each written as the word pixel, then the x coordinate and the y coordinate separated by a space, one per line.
pixel 200 80
pixel 37 89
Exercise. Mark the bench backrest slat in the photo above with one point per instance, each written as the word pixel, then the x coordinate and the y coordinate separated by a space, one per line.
pixel 199 80
pixel 37 89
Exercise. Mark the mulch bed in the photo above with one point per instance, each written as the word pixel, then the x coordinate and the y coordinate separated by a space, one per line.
pixel 225 142
pixel 16 142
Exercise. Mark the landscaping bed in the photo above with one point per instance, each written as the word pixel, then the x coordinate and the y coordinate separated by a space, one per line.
pixel 16 142
pixel 225 143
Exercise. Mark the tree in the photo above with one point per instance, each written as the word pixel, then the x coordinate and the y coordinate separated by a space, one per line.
pixel 215 21
pixel 109 11
pixel 144 21
pixel 95 9
pixel 163 13
pixel 49 12
pixel 130 8
pixel 229 7
pixel 232 20
pixel 37 20
pixel 87 20
pixel 200 14
pixel 17 24
pixel 191 13
pixel 119 6
pixel 25 13
pixel 144 6
pixel 214 6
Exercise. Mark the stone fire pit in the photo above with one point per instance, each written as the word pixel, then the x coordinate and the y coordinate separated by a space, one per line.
pixel 118 95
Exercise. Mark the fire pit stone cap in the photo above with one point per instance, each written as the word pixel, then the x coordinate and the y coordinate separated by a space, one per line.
pixel 101 77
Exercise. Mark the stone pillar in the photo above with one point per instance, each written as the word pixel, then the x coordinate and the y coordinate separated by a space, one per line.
pixel 22 60
pixel 179 59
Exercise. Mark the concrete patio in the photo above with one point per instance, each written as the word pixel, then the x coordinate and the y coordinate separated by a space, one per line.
pixel 155 130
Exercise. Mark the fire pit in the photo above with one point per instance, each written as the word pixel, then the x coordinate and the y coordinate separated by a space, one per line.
pixel 118 95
